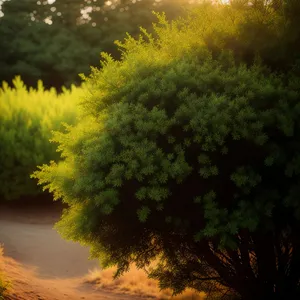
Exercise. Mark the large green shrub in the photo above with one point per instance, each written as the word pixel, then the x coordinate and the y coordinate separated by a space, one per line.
pixel 186 156
pixel 27 117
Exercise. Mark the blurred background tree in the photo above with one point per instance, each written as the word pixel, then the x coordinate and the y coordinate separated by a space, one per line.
pixel 56 40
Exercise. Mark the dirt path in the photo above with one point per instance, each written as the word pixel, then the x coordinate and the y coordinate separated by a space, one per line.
pixel 40 263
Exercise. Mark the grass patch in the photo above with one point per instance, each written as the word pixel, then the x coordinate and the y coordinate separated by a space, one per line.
pixel 135 283
pixel 4 283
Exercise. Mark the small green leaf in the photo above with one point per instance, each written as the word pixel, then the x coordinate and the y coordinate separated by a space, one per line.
pixel 143 213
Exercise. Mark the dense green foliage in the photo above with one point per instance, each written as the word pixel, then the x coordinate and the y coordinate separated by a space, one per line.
pixel 56 53
pixel 187 151
pixel 27 118
pixel 270 31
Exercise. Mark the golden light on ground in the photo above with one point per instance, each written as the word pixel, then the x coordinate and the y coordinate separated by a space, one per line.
pixel 135 283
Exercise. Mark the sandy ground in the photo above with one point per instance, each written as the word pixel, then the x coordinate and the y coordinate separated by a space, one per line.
pixel 41 265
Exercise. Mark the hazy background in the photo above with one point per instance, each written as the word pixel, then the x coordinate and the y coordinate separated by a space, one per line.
pixel 55 40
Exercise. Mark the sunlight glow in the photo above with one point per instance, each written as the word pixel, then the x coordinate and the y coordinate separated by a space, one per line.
pixel 85 12
pixel 48 21
pixel 217 1
pixel 1 13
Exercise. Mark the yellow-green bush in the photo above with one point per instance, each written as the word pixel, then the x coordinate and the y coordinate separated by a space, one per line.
pixel 27 117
